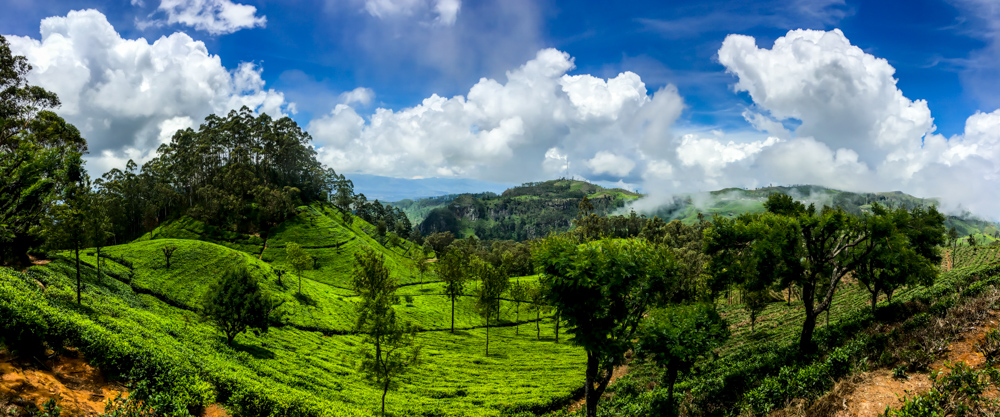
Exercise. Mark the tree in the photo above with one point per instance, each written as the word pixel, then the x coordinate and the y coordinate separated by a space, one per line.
pixel 440 241
pixel 66 228
pixel 168 252
pixel 98 224
pixel 299 259
pixel 40 157
pixel 602 289
pixel 451 269
pixel 536 299
pixel 394 350
pixel 237 303
pixel 491 285
pixel 906 255
pixel 792 244
pixel 676 337
pixel 518 294
pixel 422 267
pixel 972 239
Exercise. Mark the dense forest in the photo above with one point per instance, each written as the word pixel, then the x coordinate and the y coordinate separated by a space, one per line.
pixel 233 274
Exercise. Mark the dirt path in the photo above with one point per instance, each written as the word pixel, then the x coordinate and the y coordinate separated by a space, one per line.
pixel 869 393
pixel 80 389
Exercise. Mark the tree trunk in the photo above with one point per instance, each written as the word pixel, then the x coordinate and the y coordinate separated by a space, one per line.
pixel 805 340
pixel 487 334
pixel 874 302
pixel 300 283
pixel 538 325
pixel 385 390
pixel 453 314
pixel 76 247
pixel 671 379
pixel 591 378
pixel 517 318
pixel 557 328
pixel 98 263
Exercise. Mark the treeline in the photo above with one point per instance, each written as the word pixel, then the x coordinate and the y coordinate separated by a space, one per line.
pixel 240 172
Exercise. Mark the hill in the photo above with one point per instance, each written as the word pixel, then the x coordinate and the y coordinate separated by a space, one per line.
pixel 141 318
pixel 536 209
pixel 529 211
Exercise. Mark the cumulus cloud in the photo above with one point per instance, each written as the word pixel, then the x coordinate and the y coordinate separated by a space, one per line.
pixel 126 94
pixel 217 17
pixel 856 130
pixel 529 127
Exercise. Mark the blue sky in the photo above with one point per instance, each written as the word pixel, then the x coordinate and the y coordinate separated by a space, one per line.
pixel 688 107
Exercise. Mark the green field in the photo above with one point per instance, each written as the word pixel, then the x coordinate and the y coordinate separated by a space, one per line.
pixel 307 362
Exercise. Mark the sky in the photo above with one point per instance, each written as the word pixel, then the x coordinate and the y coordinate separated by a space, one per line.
pixel 663 97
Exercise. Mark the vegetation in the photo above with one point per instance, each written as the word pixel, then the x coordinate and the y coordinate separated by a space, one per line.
pixel 237 303
pixel 393 348
pixel 147 266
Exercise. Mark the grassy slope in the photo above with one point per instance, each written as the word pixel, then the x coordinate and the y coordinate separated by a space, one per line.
pixel 312 354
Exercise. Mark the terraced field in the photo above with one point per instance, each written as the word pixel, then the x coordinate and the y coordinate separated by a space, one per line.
pixel 306 363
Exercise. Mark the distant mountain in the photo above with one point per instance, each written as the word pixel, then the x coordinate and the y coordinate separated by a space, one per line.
pixel 535 209
pixel 395 189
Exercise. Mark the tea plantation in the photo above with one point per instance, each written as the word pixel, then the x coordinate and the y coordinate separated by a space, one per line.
pixel 140 319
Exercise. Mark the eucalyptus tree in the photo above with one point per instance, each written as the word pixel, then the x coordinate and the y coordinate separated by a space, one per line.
pixel 451 268
pixel 40 157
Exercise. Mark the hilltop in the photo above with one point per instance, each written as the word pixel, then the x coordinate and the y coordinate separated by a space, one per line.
pixel 528 211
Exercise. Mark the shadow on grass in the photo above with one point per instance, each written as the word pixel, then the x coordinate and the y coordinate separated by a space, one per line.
pixel 254 350
pixel 305 299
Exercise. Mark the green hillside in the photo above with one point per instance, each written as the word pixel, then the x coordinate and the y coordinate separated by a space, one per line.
pixel 529 211
pixel 306 363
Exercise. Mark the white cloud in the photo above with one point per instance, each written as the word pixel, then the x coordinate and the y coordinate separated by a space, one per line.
pixel 605 162
pixel 712 155
pixel 360 95
pixel 217 17
pixel 121 93
pixel 445 11
pixel 857 130
pixel 532 126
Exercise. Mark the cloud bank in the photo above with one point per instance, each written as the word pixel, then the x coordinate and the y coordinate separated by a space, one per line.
pixel 128 95
pixel 823 112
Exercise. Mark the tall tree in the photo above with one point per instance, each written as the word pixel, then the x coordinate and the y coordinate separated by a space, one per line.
pixel 66 228
pixel 518 294
pixel 451 269
pixel 602 289
pixel 40 157
pixel 491 285
pixel 393 349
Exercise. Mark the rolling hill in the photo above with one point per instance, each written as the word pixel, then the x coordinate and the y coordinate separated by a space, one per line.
pixel 140 318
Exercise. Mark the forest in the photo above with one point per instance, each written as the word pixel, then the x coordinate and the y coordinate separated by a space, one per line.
pixel 234 274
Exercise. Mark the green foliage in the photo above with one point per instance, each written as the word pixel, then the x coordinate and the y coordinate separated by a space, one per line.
pixel 41 156
pixel 677 337
pixel 393 349
pixel 451 269
pixel 299 259
pixel 602 289
pixel 237 303
pixel 959 391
